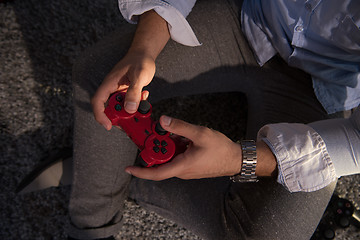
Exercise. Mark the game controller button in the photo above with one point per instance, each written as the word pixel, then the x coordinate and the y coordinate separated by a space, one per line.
pixel 159 129
pixel 156 142
pixel 163 150
pixel 144 107
pixel 344 222
pixel 156 149
pixel 329 234
pixel 348 212
pixel 164 143
pixel 118 107
pixel 119 98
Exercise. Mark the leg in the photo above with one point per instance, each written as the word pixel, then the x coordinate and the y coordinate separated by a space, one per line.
pixel 215 67
pixel 216 208
pixel 99 182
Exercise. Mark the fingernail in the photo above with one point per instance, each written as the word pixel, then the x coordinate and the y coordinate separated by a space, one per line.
pixel 130 106
pixel 166 120
pixel 128 171
pixel 146 95
pixel 106 127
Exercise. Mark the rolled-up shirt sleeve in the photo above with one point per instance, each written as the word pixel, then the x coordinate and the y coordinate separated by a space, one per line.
pixel 173 11
pixel 312 156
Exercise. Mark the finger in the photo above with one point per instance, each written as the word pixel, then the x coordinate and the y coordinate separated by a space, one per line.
pixel 144 95
pixel 98 105
pixel 132 98
pixel 161 172
pixel 107 87
pixel 182 128
pixel 137 79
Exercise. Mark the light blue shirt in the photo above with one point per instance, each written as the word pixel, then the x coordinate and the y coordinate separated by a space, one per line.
pixel 322 37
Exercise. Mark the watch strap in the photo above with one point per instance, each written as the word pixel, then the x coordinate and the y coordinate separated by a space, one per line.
pixel 249 160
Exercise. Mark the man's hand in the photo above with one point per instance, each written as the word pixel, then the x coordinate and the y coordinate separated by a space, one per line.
pixel 210 154
pixel 136 69
pixel 132 73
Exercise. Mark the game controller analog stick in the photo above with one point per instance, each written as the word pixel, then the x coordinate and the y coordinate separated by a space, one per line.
pixel 157 146
pixel 159 129
pixel 144 107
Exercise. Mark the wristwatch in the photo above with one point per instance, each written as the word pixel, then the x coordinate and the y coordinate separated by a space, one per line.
pixel 248 166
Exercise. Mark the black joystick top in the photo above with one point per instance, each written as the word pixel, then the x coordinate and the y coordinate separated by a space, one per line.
pixel 343 221
pixel 329 234
pixel 144 107
pixel 159 129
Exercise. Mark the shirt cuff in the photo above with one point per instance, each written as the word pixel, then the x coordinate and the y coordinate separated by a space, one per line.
pixel 174 14
pixel 303 161
pixel 342 139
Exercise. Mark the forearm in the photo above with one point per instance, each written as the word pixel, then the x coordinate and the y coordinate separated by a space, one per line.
pixel 266 162
pixel 151 35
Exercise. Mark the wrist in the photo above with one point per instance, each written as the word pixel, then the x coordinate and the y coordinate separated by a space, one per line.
pixel 139 55
pixel 151 35
pixel 248 163
pixel 267 164
pixel 256 160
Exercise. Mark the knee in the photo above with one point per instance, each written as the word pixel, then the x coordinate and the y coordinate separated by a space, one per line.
pixel 92 66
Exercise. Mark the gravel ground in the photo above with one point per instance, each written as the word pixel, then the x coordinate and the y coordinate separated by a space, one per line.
pixel 39 41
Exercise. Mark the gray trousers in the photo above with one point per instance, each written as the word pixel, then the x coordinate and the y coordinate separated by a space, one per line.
pixel 211 208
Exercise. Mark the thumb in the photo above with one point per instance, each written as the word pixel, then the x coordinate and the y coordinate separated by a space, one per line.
pixel 132 99
pixel 180 127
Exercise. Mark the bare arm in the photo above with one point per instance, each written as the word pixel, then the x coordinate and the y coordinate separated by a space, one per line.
pixel 266 162
pixel 136 69
pixel 151 35
pixel 211 154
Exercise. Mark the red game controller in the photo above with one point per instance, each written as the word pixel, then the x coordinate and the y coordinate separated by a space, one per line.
pixel 157 146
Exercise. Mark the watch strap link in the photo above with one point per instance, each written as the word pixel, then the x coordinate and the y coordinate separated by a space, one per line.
pixel 249 160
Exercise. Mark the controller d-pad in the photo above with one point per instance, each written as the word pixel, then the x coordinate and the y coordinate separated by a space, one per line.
pixel 159 146
pixel 157 142
pixel 164 143
pixel 156 149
